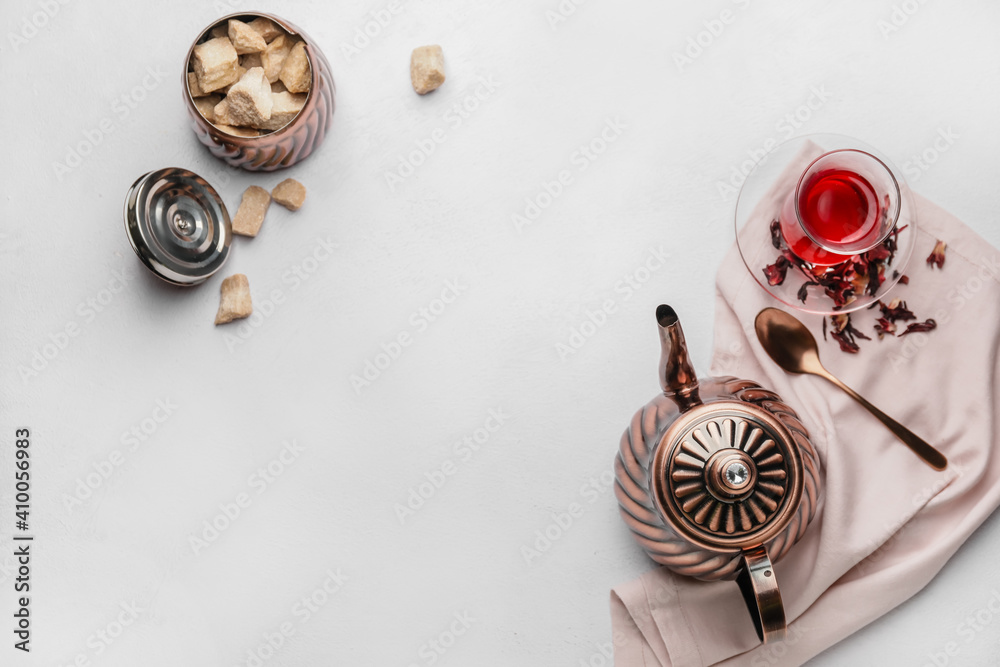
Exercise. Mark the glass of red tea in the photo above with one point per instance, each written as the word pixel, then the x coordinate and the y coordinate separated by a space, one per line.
pixel 824 223
pixel 845 203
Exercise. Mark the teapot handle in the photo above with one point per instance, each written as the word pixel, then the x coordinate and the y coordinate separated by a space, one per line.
pixel 760 592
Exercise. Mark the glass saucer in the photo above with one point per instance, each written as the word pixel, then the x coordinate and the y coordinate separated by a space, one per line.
pixel 761 197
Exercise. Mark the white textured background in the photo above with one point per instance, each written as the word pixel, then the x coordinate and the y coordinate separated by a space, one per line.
pixel 557 84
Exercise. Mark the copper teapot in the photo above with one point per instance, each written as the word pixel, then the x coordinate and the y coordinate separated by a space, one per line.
pixel 717 479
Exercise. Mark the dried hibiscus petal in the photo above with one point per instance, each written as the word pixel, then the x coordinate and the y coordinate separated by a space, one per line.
pixel 918 327
pixel 936 258
pixel 876 276
pixel 777 240
pixel 846 344
pixel 855 332
pixel 838 289
pixel 804 290
pixel 844 332
pixel 776 272
pixel 884 326
pixel 842 283
pixel 878 253
pixel 896 310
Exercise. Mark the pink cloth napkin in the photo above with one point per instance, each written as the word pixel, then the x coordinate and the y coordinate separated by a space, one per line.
pixel 887 522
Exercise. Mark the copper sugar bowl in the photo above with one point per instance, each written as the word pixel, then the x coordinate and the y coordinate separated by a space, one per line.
pixel 283 147
pixel 717 479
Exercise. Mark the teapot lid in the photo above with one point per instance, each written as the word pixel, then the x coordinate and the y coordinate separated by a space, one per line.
pixel 727 475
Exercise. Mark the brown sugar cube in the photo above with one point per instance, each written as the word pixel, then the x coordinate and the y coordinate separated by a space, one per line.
pixel 193 86
pixel 225 121
pixel 221 30
pixel 273 57
pixel 285 106
pixel 250 215
pixel 206 106
pixel 250 60
pixel 427 68
pixel 237 131
pixel 289 193
pixel 249 101
pixel 240 70
pixel 221 115
pixel 266 28
pixel 215 64
pixel 278 87
pixel 295 72
pixel 235 302
pixel 244 38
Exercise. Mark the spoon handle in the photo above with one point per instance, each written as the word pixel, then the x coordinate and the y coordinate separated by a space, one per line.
pixel 931 456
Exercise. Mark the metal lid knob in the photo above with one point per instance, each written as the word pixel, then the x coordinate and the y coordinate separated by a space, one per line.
pixel 730 474
pixel 178 225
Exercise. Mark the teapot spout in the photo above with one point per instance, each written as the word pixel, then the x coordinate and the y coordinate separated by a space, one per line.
pixel 677 377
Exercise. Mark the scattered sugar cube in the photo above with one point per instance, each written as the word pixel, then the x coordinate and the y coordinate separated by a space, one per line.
pixel 266 28
pixel 250 215
pixel 215 64
pixel 289 193
pixel 234 303
pixel 244 38
pixel 427 68
pixel 273 57
pixel 295 73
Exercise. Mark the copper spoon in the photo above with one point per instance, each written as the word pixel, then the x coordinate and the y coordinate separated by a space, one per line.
pixel 788 342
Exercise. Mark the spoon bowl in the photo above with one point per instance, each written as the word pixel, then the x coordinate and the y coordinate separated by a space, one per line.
pixel 790 344
pixel 787 341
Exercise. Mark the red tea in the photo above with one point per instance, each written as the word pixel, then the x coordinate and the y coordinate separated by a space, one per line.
pixel 837 207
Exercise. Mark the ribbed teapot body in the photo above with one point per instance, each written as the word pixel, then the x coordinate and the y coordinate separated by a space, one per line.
pixel 672 458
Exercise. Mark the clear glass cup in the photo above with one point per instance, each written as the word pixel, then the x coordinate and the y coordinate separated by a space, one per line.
pixel 845 203
pixel 768 215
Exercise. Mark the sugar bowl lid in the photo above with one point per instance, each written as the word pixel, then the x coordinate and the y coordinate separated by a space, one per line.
pixel 728 475
pixel 178 225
